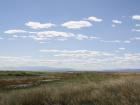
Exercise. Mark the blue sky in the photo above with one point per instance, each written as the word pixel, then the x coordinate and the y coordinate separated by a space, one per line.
pixel 79 34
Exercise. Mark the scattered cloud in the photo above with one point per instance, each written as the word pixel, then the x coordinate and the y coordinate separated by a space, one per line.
pixel 13 61
pixel 95 19
pixel 14 31
pixel 121 48
pixel 62 36
pixel 135 38
pixel 79 59
pixel 117 21
pixel 43 36
pixel 137 25
pixel 76 24
pixel 136 30
pixel 89 59
pixel 85 37
pixel 111 41
pixel 127 41
pixel 136 17
pixel 77 53
pixel 113 25
pixel 52 34
pixel 43 42
pixel 38 25
pixel 20 36
pixel 1 38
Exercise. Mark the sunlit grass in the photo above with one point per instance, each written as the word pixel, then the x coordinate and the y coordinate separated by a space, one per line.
pixel 80 89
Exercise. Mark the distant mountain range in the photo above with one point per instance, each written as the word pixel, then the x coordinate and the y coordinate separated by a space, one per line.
pixel 55 69
pixel 37 68
pixel 127 70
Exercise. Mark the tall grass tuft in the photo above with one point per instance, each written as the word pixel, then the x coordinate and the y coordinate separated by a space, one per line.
pixel 112 92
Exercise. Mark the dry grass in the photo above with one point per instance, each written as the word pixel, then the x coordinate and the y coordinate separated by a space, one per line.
pixel 35 78
pixel 124 91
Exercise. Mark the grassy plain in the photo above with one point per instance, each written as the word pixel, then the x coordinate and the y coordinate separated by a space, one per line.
pixel 69 88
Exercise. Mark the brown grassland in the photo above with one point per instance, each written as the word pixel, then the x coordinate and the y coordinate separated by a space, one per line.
pixel 69 88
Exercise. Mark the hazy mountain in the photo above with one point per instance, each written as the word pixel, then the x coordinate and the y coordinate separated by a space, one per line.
pixel 55 69
pixel 36 68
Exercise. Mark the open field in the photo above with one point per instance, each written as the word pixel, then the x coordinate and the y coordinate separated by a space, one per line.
pixel 69 88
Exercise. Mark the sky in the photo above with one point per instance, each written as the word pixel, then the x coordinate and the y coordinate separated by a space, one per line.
pixel 77 34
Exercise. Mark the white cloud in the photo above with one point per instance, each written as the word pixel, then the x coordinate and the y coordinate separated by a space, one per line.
pixel 38 25
pixel 42 35
pixel 127 41
pixel 121 48
pixel 113 25
pixel 116 41
pixel 49 35
pixel 52 34
pixel 136 17
pixel 20 36
pixel 135 38
pixel 111 41
pixel 14 31
pixel 117 21
pixel 77 59
pixel 51 50
pixel 137 25
pixel 85 37
pixel 136 30
pixel 95 19
pixel 77 53
pixel 13 61
pixel 62 39
pixel 76 24
pixel 43 42
pixel 61 36
pixel 64 51
pixel 89 59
